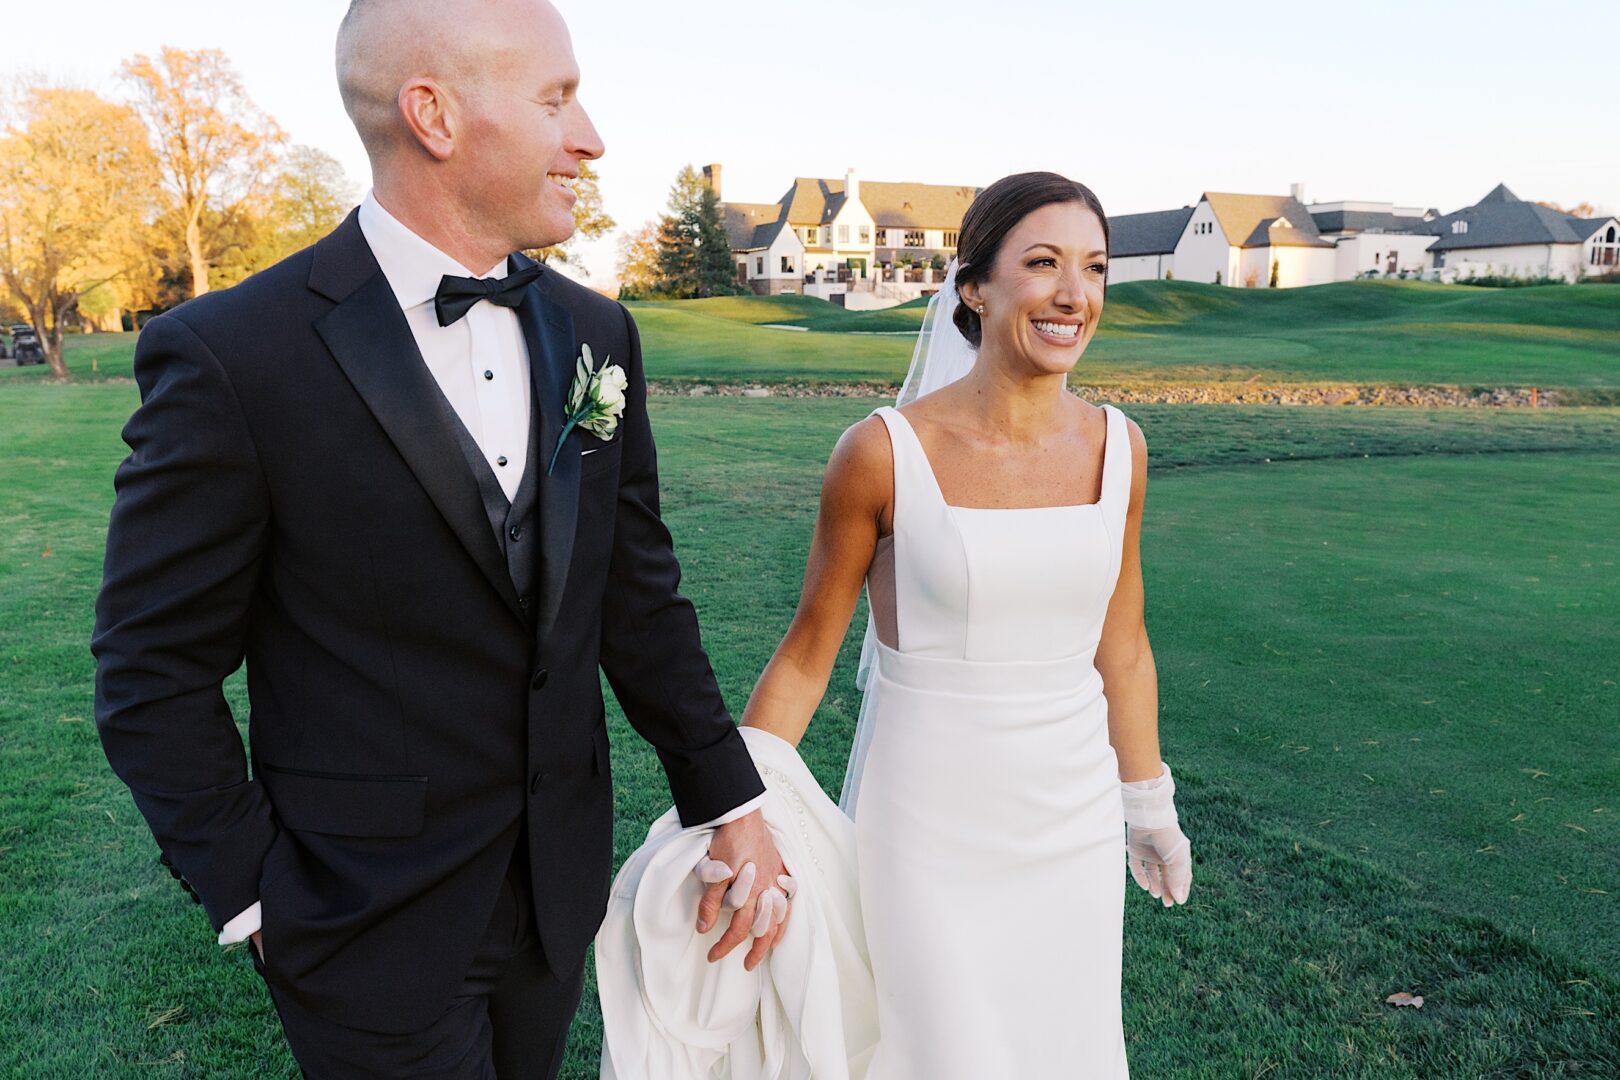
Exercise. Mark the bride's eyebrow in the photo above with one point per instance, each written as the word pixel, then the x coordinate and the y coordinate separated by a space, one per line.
pixel 1058 250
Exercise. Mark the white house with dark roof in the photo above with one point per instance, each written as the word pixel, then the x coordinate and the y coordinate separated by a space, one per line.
pixel 862 244
pixel 1234 239
pixel 1503 234
pixel 1142 247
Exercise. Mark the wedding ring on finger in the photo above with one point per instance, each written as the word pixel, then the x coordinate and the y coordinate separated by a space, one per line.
pixel 771 910
pixel 741 888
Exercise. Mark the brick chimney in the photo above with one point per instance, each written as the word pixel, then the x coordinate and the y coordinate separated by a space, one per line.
pixel 711 173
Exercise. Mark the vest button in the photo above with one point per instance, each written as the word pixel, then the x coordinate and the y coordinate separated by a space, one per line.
pixel 540 677
pixel 515 532
pixel 523 601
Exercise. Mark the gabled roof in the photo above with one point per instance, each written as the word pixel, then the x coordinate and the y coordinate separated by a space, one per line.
pixel 752 226
pixel 916 206
pixel 1502 219
pixel 1280 232
pixel 812 201
pixel 1154 233
pixel 1585 227
pixel 1246 220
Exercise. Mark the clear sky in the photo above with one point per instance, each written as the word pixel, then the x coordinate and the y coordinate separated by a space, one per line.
pixel 1420 103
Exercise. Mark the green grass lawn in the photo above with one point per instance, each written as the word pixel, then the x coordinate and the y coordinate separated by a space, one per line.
pixel 1358 332
pixel 1386 659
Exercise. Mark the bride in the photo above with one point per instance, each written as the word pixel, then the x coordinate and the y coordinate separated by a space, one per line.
pixel 1008 732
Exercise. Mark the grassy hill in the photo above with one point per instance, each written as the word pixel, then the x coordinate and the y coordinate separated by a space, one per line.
pixel 1384 642
pixel 1360 332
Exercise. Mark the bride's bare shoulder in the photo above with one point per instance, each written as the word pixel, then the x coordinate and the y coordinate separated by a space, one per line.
pixel 863 453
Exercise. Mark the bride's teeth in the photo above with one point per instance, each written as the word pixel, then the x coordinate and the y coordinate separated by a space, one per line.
pixel 1058 329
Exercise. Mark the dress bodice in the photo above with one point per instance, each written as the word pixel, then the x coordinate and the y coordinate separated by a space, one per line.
pixel 962 583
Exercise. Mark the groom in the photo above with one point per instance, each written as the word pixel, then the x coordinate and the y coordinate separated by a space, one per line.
pixel 354 471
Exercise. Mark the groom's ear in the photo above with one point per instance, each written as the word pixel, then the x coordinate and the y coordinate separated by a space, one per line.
pixel 429 114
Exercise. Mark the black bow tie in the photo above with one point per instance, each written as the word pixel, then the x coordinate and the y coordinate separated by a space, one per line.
pixel 457 295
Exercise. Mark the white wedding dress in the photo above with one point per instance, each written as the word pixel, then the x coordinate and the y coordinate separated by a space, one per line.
pixel 988 827
pixel 988 818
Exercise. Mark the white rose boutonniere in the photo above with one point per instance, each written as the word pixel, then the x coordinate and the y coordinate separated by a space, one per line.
pixel 595 401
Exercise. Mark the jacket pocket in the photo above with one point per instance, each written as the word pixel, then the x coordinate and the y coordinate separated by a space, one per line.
pixel 344 804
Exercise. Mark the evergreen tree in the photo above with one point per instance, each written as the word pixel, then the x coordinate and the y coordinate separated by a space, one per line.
pixel 717 272
pixel 694 257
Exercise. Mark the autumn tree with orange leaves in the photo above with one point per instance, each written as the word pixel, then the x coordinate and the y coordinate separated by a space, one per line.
pixel 214 146
pixel 77 181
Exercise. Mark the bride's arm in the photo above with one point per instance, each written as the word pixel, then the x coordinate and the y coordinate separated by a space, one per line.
pixel 856 495
pixel 1124 658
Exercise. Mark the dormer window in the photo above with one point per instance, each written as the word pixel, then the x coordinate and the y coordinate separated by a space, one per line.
pixel 1459 227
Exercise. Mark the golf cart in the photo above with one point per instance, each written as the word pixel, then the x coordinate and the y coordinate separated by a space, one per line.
pixel 25 346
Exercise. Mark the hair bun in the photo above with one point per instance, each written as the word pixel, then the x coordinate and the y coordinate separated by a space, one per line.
pixel 967 320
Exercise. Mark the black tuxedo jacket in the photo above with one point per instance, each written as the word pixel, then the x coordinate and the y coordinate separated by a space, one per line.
pixel 296 497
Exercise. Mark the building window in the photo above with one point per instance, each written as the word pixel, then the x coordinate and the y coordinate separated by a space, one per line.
pixel 843 234
pixel 759 266
pixel 882 237
pixel 1458 227
pixel 787 264
pixel 810 237
pixel 826 234
pixel 914 238
pixel 866 234
pixel 950 239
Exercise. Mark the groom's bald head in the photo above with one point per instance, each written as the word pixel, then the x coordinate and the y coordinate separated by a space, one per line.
pixel 470 111
pixel 385 44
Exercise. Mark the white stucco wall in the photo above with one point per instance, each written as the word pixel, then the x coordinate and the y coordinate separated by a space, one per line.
pixel 1605 240
pixel 1519 260
pixel 1199 257
pixel 1139 267
pixel 1370 251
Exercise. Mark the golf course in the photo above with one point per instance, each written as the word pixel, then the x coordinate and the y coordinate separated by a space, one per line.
pixel 1387 642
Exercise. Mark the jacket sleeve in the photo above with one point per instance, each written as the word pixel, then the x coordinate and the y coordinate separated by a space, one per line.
pixel 185 545
pixel 651 650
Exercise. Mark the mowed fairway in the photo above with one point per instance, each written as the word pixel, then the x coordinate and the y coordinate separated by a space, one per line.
pixel 1388 688
pixel 1156 332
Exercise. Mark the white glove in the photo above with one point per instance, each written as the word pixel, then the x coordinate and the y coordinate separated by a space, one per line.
pixel 1159 853
pixel 771 908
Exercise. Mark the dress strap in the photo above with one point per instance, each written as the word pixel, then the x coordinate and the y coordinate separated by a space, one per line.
pixel 1116 477
pixel 912 473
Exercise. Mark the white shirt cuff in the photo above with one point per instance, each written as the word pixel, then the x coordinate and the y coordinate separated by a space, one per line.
pixel 242 927
pixel 733 814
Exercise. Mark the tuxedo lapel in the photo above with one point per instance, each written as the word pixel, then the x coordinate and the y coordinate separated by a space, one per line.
pixel 548 331
pixel 372 343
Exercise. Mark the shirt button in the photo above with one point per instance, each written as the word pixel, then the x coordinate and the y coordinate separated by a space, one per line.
pixel 539 680
pixel 515 532
pixel 502 461
pixel 489 375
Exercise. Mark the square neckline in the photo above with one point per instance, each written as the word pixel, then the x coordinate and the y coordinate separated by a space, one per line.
pixel 1102 493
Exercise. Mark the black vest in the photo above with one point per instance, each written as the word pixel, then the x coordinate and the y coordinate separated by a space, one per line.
pixel 516 521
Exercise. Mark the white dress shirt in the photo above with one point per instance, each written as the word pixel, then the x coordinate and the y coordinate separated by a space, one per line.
pixel 481 364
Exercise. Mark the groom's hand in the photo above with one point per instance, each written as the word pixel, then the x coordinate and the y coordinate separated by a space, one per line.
pixel 737 844
pixel 258 945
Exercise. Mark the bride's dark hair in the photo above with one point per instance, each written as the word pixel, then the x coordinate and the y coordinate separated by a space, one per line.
pixel 996 212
